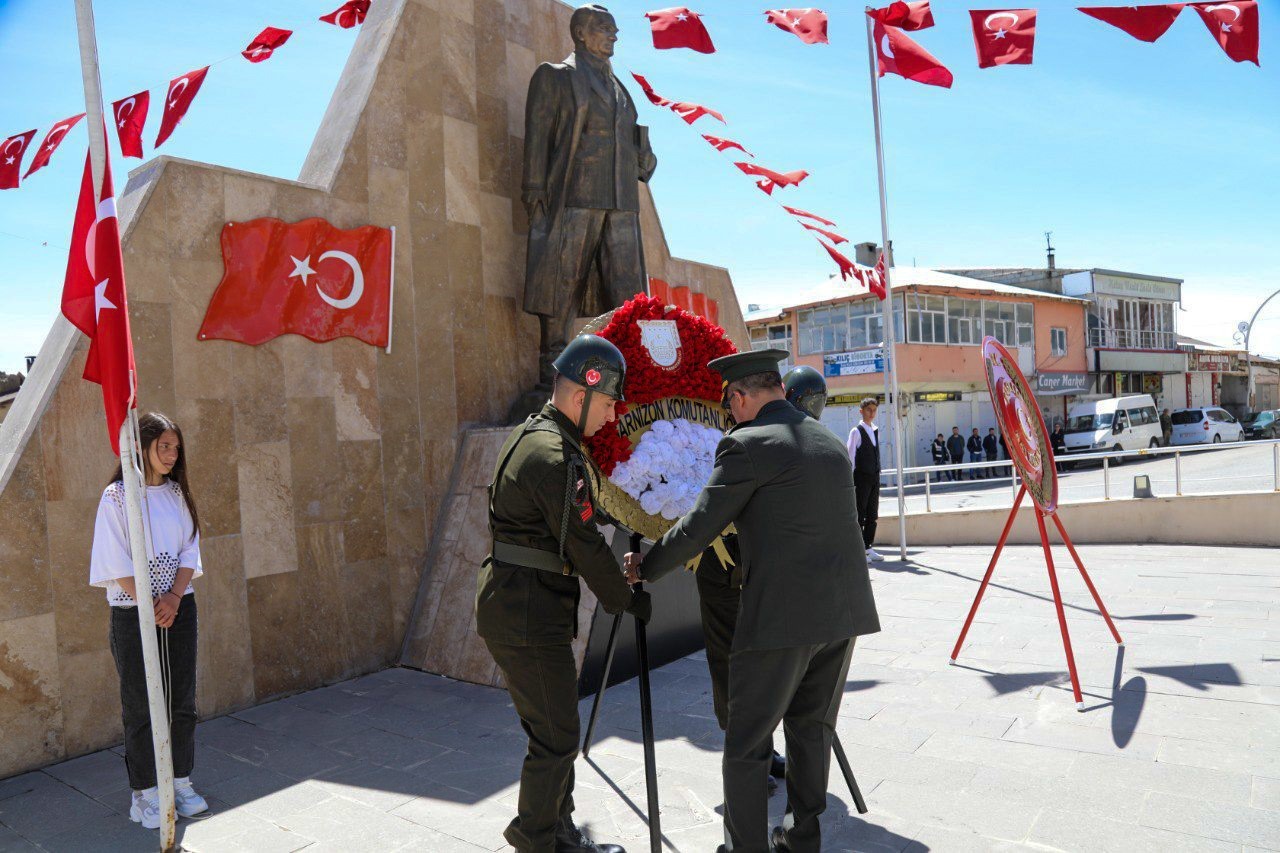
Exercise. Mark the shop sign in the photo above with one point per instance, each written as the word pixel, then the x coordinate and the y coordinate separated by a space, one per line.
pixel 1061 383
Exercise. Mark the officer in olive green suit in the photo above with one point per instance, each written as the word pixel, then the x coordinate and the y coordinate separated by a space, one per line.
pixel 543 524
pixel 784 480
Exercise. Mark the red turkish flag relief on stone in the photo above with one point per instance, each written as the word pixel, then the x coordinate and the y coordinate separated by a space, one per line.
pixel 182 91
pixel 306 278
pixel 1234 26
pixel 12 150
pixel 265 43
pixel 897 53
pixel 95 301
pixel 130 117
pixel 679 27
pixel 348 15
pixel 1146 23
pixel 808 25
pixel 50 143
pixel 1003 36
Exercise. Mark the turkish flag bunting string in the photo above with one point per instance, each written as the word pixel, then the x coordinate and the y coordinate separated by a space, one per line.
pixel 830 235
pixel 687 111
pixel 795 211
pixel 11 154
pixel 306 278
pixel 1003 36
pixel 721 144
pixel 1146 23
pixel 50 144
pixel 905 16
pixel 265 43
pixel 873 279
pixel 130 117
pixel 348 15
pixel 182 91
pixel 782 179
pixel 679 27
pixel 1234 26
pixel 898 53
pixel 808 25
pixel 94 299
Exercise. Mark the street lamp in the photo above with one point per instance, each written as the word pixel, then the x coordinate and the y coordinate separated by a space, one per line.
pixel 1244 329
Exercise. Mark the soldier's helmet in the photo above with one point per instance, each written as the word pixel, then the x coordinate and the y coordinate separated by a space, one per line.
pixel 595 364
pixel 806 390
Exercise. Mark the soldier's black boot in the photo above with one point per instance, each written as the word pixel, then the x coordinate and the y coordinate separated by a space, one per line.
pixel 778 838
pixel 778 767
pixel 570 839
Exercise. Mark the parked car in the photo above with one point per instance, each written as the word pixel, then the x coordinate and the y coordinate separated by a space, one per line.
pixel 1205 425
pixel 1118 423
pixel 1264 424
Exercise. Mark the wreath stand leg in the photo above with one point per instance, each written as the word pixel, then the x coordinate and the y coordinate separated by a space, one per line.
pixel 604 683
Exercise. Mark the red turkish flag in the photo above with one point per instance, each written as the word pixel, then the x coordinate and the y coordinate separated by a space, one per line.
pixel 1234 25
pixel 265 43
pixel 898 53
pixel 905 16
pixel 1146 23
pixel 95 301
pixel 1003 36
pixel 808 25
pixel 873 279
pixel 50 144
pixel 182 91
pixel 348 15
pixel 721 144
pixel 830 235
pixel 687 111
pixel 11 153
pixel 782 179
pixel 679 27
pixel 795 211
pixel 130 117
pixel 847 267
pixel 654 98
pixel 307 278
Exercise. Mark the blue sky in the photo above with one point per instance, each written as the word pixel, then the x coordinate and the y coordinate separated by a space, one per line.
pixel 1160 158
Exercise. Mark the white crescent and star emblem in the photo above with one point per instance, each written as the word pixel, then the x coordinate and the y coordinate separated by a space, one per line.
pixel 259 50
pixel 177 89
pixel 884 46
pixel 100 299
pixel 302 269
pixel 106 210
pixel 1226 26
pixel 338 18
pixel 18 139
pixel 682 17
pixel 55 137
pixel 122 113
pixel 1000 32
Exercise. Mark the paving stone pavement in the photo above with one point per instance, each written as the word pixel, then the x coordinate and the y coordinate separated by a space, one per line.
pixel 1178 747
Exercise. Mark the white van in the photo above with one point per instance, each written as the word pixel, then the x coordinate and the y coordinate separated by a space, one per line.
pixel 1120 423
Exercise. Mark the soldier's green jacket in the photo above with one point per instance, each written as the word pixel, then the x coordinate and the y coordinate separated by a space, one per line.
pixel 530 607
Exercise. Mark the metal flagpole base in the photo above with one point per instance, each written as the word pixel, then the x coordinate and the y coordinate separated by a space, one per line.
pixel 646 727
pixel 843 760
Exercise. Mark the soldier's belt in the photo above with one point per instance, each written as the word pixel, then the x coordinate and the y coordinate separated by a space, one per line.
pixel 530 558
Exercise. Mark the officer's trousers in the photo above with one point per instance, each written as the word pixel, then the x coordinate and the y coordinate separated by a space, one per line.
pixel 801 687
pixel 543 683
pixel 718 602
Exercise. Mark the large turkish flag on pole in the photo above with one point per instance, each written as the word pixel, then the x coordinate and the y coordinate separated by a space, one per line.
pixel 94 299
pixel 306 278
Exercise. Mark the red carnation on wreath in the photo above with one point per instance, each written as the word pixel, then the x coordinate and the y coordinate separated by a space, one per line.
pixel 700 341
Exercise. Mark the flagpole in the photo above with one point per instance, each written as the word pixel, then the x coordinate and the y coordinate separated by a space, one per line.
pixel 130 462
pixel 891 359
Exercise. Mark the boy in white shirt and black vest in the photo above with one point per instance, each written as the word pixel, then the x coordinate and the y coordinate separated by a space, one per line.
pixel 864 453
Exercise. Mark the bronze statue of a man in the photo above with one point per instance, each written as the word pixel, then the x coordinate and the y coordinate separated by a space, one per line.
pixel 583 156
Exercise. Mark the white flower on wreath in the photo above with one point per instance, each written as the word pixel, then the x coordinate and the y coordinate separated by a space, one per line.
pixel 669 467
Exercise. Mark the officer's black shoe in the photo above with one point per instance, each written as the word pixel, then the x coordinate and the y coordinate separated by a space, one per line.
pixel 570 839
pixel 778 767
pixel 779 840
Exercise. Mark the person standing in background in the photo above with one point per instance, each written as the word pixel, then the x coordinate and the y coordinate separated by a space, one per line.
pixel 955 449
pixel 991 449
pixel 864 455
pixel 974 446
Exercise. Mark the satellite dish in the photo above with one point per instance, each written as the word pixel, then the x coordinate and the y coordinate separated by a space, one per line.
pixel 1243 327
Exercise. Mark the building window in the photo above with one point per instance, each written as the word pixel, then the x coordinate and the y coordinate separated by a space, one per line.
pixel 964 321
pixel 927 319
pixel 1026 325
pixel 1058 340
pixel 844 326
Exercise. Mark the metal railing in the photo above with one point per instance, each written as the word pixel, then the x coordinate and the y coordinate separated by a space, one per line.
pixel 1132 339
pixel 930 472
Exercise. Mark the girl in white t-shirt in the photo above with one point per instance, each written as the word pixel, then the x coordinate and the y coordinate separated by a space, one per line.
pixel 169 515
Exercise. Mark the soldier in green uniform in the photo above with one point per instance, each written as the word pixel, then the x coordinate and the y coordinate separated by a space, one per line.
pixel 784 480
pixel 542 520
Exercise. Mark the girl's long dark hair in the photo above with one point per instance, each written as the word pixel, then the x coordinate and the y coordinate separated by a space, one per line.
pixel 151 426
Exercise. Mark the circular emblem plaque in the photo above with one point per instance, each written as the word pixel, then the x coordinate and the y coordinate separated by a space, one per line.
pixel 1021 424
